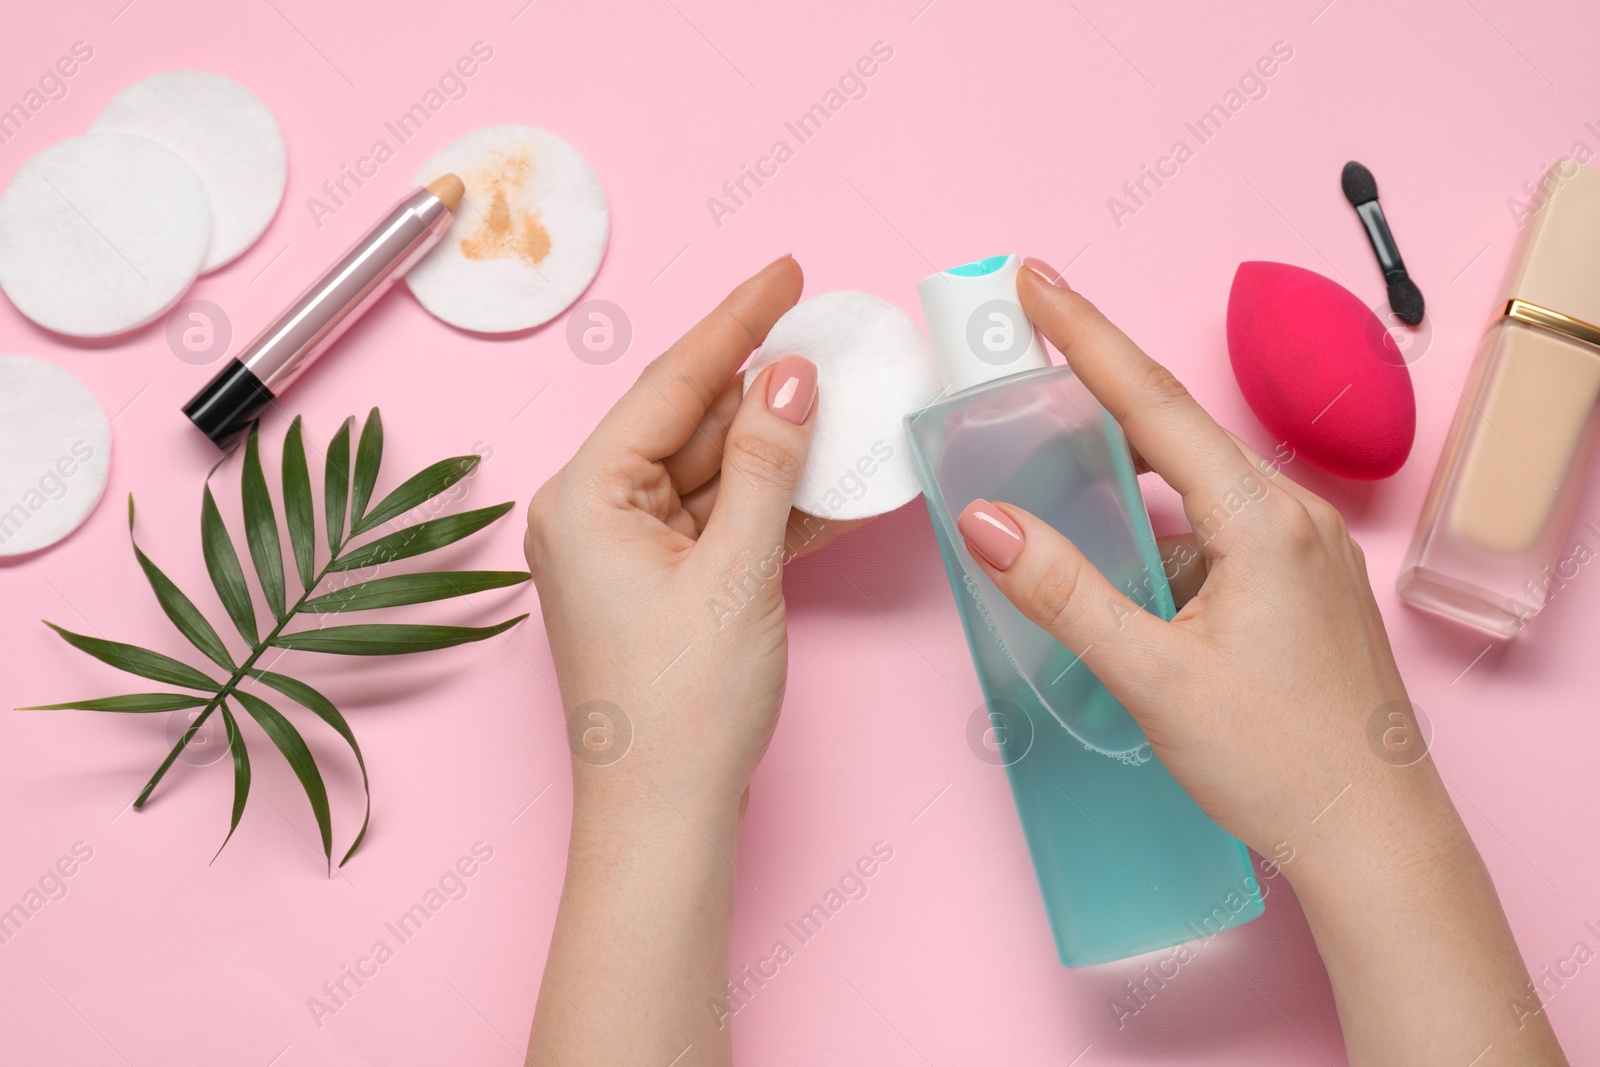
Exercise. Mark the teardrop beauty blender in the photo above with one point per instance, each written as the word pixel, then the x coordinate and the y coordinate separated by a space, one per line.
pixel 101 234
pixel 225 134
pixel 1320 371
pixel 55 454
pixel 528 238
pixel 874 367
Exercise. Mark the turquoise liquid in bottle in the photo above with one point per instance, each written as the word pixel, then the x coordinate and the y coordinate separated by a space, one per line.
pixel 1126 861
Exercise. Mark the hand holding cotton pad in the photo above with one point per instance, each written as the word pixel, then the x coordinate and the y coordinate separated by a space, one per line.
pixel 874 367
pixel 55 454
pixel 1318 369
pixel 527 241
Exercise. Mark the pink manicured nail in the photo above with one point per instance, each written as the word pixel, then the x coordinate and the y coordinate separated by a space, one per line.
pixel 792 389
pixel 1045 271
pixel 991 533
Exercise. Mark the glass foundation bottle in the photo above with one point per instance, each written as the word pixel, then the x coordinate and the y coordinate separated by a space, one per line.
pixel 1492 543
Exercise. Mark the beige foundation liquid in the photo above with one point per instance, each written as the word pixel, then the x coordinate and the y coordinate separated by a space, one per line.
pixel 1489 548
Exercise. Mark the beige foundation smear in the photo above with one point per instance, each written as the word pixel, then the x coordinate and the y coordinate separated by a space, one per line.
pixel 501 231
pixel 529 236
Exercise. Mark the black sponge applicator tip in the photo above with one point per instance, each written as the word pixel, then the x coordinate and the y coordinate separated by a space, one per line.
pixel 1359 185
pixel 1405 300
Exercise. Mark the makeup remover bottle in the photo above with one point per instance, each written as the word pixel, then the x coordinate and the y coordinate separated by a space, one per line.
pixel 1126 862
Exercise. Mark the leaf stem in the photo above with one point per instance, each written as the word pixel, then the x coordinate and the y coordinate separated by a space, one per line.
pixel 238 676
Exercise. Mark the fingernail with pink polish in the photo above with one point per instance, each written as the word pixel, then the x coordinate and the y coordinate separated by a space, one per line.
pixel 1045 271
pixel 991 533
pixel 792 388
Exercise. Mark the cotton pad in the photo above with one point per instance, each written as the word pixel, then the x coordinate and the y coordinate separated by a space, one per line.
pixel 874 367
pixel 55 454
pixel 527 240
pixel 226 135
pixel 101 234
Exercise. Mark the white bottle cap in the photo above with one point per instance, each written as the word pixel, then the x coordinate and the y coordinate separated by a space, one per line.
pixel 976 323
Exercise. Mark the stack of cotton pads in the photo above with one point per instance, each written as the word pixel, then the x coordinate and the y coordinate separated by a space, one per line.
pixel 55 454
pixel 103 233
pixel 526 241
pixel 874 367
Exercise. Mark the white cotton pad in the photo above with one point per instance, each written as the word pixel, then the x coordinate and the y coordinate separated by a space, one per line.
pixel 874 367
pixel 55 454
pixel 101 234
pixel 226 135
pixel 526 241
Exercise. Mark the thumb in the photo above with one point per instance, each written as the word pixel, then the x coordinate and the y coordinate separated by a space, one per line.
pixel 1054 584
pixel 762 460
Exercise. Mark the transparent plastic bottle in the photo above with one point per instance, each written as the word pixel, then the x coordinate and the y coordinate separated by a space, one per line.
pixel 1126 861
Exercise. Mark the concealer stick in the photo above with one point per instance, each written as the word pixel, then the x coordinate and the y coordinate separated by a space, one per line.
pixel 329 307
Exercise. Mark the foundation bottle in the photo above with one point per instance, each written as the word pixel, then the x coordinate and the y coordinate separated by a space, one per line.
pixel 1492 544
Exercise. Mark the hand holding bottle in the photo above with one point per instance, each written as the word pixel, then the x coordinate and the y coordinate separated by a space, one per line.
pixel 1258 694
pixel 1259 697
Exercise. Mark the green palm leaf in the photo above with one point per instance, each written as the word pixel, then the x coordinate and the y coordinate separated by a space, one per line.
pixel 403 589
pixel 347 493
pixel 293 747
pixel 297 505
pixel 424 485
pixel 261 527
pixel 178 607
pixel 423 537
pixel 136 660
pixel 241 776
pixel 336 486
pixel 132 702
pixel 222 562
pixel 323 708
pixel 369 455
pixel 388 639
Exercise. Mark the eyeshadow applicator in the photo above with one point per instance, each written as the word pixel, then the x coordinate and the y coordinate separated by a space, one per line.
pixel 325 311
pixel 1361 189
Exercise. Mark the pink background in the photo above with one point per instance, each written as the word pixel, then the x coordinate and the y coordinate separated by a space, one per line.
pixel 993 128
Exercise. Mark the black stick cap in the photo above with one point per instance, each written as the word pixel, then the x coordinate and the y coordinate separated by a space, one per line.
pixel 228 403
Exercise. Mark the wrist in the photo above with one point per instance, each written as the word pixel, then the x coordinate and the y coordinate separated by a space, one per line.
pixel 610 803
pixel 1389 827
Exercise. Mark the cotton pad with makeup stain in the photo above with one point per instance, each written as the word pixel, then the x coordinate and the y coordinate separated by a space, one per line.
pixel 101 234
pixel 527 239
pixel 225 134
pixel 874 367
pixel 55 454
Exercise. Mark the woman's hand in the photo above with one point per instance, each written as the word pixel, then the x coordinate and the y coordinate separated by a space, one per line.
pixel 1274 699
pixel 658 555
pixel 1258 695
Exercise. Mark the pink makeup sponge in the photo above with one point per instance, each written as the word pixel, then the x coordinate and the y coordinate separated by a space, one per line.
pixel 1320 371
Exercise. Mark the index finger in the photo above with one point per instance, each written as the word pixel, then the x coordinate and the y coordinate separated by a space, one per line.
pixel 1164 424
